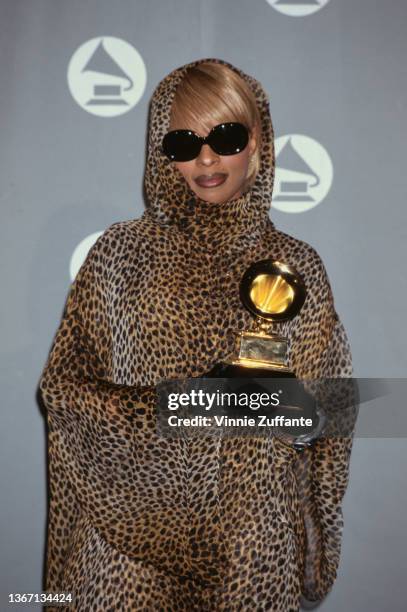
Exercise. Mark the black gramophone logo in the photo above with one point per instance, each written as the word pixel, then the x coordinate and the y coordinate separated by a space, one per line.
pixel 107 76
pixel 304 173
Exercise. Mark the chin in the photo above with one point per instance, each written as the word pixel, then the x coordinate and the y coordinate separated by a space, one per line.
pixel 215 198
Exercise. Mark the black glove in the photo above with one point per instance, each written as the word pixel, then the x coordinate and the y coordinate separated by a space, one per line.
pixel 309 605
pixel 225 370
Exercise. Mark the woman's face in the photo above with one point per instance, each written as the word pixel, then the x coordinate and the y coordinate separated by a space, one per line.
pixel 212 177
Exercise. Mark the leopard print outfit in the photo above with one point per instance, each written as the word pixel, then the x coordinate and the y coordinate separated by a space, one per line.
pixel 145 523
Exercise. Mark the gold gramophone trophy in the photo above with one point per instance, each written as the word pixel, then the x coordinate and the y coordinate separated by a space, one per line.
pixel 272 291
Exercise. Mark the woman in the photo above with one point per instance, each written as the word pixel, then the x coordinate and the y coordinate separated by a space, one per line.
pixel 141 522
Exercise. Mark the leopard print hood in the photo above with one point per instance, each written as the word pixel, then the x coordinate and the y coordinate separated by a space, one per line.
pixel 170 199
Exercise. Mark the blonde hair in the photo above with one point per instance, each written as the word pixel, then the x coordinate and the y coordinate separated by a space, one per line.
pixel 212 93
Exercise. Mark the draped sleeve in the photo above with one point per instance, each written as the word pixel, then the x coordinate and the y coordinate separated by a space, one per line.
pixel 322 471
pixel 90 418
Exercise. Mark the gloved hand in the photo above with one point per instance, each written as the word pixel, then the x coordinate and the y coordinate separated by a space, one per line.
pixel 225 370
pixel 309 605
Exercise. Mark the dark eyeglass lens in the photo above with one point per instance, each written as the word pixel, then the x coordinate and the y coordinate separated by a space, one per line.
pixel 224 139
pixel 229 138
pixel 181 145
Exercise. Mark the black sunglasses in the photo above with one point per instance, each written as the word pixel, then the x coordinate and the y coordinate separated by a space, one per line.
pixel 224 139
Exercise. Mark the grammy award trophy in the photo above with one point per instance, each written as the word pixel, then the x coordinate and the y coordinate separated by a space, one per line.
pixel 272 291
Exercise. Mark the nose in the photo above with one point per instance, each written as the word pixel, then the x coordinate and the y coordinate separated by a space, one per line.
pixel 207 156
